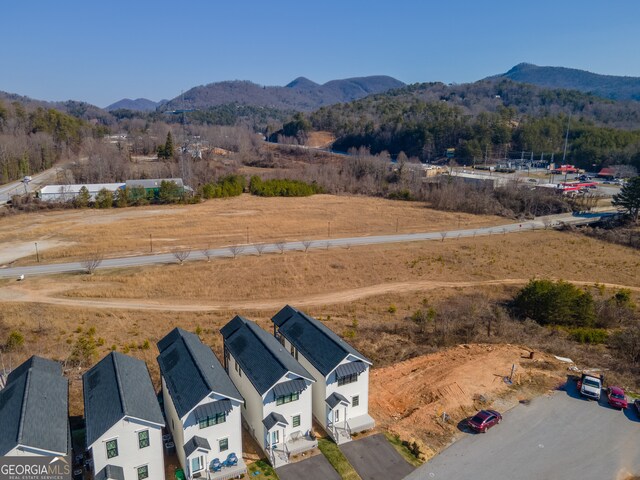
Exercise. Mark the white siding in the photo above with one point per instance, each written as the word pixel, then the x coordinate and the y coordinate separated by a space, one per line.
pixel 253 402
pixel 301 407
pixel 130 455
pixel 318 389
pixel 174 423
pixel 359 388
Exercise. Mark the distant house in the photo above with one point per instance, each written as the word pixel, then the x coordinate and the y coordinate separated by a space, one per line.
pixel 341 393
pixel 276 389
pixel 607 172
pixel 202 407
pixel 123 420
pixel 34 410
pixel 65 193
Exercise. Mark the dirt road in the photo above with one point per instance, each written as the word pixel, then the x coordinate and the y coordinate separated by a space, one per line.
pixel 54 296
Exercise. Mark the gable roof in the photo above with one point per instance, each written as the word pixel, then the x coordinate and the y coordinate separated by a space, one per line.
pixel 261 356
pixel 116 387
pixel 314 340
pixel 191 371
pixel 34 408
pixel 194 444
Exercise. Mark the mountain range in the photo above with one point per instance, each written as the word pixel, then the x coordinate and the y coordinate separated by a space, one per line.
pixel 606 86
pixel 138 105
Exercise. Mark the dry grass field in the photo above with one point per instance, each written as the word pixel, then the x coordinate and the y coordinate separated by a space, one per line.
pixel 220 222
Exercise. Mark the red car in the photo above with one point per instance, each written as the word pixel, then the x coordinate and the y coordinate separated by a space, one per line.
pixel 616 397
pixel 484 420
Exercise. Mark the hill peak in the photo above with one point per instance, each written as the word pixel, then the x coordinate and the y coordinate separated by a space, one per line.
pixel 302 83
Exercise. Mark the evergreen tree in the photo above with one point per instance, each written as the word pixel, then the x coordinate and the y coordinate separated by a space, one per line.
pixel 628 199
pixel 168 146
pixel 83 198
pixel 104 199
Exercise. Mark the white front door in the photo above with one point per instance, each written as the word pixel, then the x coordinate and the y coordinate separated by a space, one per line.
pixel 336 415
pixel 275 438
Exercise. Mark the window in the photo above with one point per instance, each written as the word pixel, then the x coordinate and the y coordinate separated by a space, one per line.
pixel 294 352
pixel 348 379
pixel 292 397
pixel 223 444
pixel 143 439
pixel 112 448
pixel 196 464
pixel 296 421
pixel 355 401
pixel 143 472
pixel 214 420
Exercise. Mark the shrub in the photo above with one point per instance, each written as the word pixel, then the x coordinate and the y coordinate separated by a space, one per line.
pixel 282 188
pixel 84 351
pixel 15 340
pixel 592 336
pixel 392 308
pixel 555 303
pixel 228 186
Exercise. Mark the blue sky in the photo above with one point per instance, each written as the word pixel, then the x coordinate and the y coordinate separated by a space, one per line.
pixel 103 51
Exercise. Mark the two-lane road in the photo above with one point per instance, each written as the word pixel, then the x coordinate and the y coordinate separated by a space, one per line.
pixel 142 260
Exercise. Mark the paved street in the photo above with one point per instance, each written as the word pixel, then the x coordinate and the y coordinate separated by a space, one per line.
pixel 135 261
pixel 557 437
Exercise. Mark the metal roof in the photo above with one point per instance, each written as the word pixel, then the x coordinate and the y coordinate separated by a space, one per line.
pixel 116 387
pixel 262 358
pixel 74 189
pixel 292 386
pixel 191 371
pixel 195 443
pixel 152 182
pixel 273 419
pixel 34 408
pixel 110 472
pixel 212 409
pixel 315 341
pixel 335 399
pixel 350 368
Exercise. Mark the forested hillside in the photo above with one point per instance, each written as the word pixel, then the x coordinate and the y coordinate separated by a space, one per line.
pixel 495 119
pixel 33 139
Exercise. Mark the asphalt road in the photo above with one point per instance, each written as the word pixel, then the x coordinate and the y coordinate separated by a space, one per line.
pixel 557 437
pixel 142 260
pixel 37 180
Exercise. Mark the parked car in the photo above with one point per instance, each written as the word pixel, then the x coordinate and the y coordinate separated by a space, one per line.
pixel 616 397
pixel 590 386
pixel 484 420
pixel 637 405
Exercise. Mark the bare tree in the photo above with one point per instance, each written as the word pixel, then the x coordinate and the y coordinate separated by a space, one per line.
pixel 280 246
pixel 259 248
pixel 504 231
pixel 443 235
pixel 546 221
pixel 327 245
pixel 91 263
pixel 306 244
pixel 181 255
pixel 207 253
pixel 347 246
pixel 236 250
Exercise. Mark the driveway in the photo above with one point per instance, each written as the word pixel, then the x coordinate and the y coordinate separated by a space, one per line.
pixel 374 458
pixel 556 436
pixel 314 468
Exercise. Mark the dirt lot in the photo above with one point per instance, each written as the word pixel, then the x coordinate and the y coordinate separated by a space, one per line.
pixel 410 397
pixel 239 220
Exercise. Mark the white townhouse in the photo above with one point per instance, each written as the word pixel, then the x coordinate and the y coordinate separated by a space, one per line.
pixel 276 389
pixel 123 419
pixel 202 408
pixel 341 393
pixel 34 410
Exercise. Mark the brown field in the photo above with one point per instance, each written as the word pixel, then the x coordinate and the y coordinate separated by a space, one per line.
pixel 214 223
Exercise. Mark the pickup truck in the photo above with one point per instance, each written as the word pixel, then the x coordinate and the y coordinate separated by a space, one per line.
pixel 590 386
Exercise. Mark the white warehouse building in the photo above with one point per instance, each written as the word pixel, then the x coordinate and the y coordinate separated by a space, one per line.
pixel 64 193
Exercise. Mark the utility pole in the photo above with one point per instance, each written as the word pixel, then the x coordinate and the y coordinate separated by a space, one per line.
pixel 329 229
pixel 397 224
pixel 151 243
pixel 247 235
pixel 37 254
pixel 566 140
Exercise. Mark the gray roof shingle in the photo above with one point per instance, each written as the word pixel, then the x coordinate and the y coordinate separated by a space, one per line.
pixel 116 387
pixel 110 472
pixel 262 358
pixel 335 398
pixel 272 419
pixel 314 340
pixel 191 371
pixel 34 408
pixel 195 443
